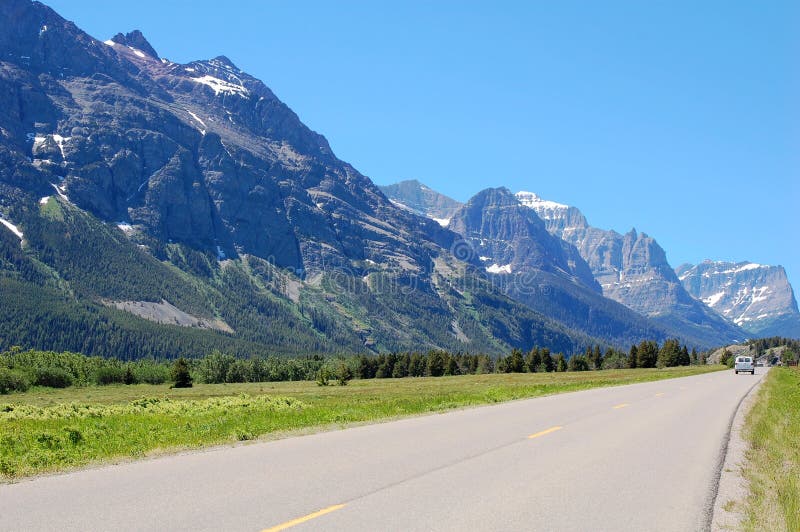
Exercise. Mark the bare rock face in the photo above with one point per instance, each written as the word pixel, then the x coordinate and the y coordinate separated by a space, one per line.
pixel 633 270
pixel 135 40
pixel 514 248
pixel 756 297
pixel 203 154
pixel 422 200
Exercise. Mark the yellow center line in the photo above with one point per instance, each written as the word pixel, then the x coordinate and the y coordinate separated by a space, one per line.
pixel 660 394
pixel 546 431
pixel 300 520
pixel 621 405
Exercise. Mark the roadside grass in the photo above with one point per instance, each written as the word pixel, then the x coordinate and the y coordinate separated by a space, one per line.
pixel 47 430
pixel 772 467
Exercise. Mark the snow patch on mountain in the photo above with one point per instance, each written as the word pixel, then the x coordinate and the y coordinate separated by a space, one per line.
pixel 496 268
pixel 220 86
pixel 138 53
pixel 11 227
pixel 198 120
pixel 534 201
pixel 713 299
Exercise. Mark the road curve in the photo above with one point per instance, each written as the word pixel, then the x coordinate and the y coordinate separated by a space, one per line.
pixel 637 457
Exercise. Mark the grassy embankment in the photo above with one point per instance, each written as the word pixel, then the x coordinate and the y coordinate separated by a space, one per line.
pixel 773 463
pixel 47 430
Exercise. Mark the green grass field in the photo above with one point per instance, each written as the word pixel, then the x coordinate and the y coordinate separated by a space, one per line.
pixel 773 462
pixel 47 430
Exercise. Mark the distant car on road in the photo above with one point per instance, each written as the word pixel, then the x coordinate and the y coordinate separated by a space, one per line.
pixel 745 365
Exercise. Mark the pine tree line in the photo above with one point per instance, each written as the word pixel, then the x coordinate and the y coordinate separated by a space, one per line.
pixel 20 369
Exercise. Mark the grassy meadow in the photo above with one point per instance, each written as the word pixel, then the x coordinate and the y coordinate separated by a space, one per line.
pixel 772 467
pixel 47 430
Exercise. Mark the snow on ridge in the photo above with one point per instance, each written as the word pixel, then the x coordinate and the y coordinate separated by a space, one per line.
pixel 532 200
pixel 125 227
pixel 13 228
pixel 400 204
pixel 38 140
pixel 746 267
pixel 109 43
pixel 713 299
pixel 60 141
pixel 221 87
pixel 139 53
pixel 496 268
pixel 197 118
pixel 444 222
pixel 60 191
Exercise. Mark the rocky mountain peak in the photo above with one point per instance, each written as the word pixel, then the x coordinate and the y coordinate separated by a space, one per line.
pixel 757 297
pixel 632 269
pixel 509 237
pixel 420 199
pixel 136 40
pixel 222 61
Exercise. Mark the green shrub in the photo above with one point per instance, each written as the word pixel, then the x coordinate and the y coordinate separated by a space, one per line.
pixel 151 373
pixel 323 375
pixel 53 377
pixel 109 375
pixel 129 377
pixel 13 381
pixel 343 373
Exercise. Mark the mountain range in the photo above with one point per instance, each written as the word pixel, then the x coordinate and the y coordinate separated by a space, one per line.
pixel 707 301
pixel 150 208
pixel 756 297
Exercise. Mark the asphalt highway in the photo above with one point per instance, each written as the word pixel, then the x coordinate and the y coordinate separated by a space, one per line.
pixel 637 457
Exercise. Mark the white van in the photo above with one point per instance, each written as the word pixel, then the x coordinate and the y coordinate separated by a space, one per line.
pixel 744 364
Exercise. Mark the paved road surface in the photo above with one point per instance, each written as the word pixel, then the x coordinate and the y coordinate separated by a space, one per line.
pixel 637 457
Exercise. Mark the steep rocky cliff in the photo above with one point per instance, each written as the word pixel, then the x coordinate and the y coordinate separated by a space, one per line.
pixel 541 270
pixel 756 297
pixel 137 181
pixel 423 200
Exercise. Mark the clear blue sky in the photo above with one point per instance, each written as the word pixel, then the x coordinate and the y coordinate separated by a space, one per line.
pixel 681 118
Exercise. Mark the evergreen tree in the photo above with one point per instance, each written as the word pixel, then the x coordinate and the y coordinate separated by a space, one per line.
pixel 435 364
pixel 450 366
pixel 401 367
pixel 181 377
pixel 684 359
pixel 578 363
pixel 385 368
pixel 416 366
pixel 547 360
pixel 343 373
pixel 515 362
pixel 129 377
pixel 561 362
pixel 669 354
pixel 534 360
pixel 366 367
pixel 647 354
pixel 596 360
pixel 632 356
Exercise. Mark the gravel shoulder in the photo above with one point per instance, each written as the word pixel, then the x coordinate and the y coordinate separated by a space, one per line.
pixel 728 513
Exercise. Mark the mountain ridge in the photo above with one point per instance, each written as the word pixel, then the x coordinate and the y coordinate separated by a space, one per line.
pixel 138 180
pixel 631 268
pixel 757 297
